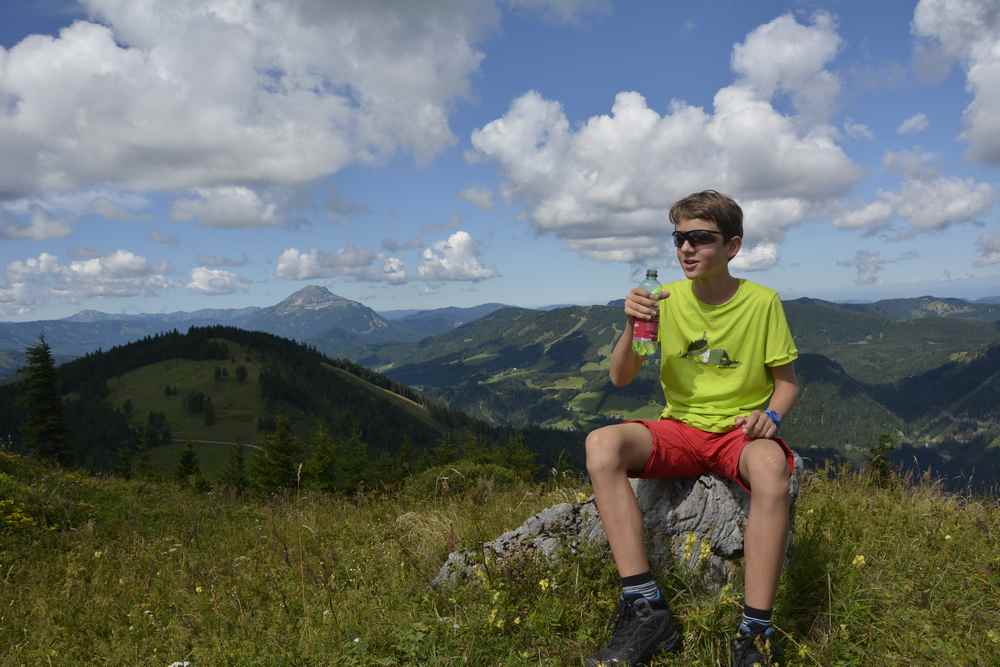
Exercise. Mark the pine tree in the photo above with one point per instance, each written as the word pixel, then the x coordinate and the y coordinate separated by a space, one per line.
pixel 353 463
pixel 235 475
pixel 275 467
pixel 187 467
pixel 44 430
pixel 321 466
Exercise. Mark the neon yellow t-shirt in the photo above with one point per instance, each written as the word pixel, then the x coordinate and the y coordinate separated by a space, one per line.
pixel 714 359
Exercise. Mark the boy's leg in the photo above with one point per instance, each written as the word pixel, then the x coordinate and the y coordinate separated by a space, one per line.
pixel 613 451
pixel 764 468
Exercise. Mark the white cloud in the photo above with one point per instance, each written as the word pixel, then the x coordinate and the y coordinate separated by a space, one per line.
pixel 40 226
pixel 120 274
pixel 614 177
pixel 913 125
pixel 988 246
pixel 455 259
pixel 857 130
pixel 481 197
pixel 173 94
pixel 938 203
pixel 784 56
pixel 925 200
pixel 871 216
pixel 227 207
pixel 351 262
pixel 216 281
pixel 969 31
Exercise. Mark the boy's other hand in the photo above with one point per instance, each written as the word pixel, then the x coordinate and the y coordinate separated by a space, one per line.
pixel 757 425
pixel 640 305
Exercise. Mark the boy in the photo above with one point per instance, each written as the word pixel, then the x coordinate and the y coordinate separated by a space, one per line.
pixel 726 370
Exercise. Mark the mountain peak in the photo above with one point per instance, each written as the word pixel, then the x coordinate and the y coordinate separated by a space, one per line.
pixel 312 297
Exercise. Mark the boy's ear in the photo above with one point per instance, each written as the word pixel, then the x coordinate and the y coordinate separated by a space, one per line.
pixel 734 245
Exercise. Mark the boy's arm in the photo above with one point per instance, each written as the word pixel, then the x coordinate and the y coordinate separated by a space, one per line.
pixel 625 363
pixel 786 390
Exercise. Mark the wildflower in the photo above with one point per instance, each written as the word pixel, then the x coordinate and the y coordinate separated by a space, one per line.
pixel 581 497
pixel 689 542
pixel 544 584
pixel 198 589
pixel 810 511
pixel 947 538
pixel 705 550
pixel 859 561
pixel 98 554
pixel 517 620
pixel 493 615
pixel 803 651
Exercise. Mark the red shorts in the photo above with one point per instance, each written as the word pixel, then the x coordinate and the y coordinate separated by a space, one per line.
pixel 680 450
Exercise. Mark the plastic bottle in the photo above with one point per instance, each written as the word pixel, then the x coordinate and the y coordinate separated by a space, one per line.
pixel 644 332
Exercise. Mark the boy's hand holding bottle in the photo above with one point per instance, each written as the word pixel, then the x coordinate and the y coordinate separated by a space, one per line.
pixel 643 305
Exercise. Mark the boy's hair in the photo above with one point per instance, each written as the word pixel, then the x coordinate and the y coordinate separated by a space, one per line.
pixel 711 206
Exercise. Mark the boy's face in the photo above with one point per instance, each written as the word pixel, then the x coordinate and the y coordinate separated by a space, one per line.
pixel 703 253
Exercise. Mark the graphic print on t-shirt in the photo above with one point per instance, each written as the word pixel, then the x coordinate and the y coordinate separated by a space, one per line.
pixel 702 352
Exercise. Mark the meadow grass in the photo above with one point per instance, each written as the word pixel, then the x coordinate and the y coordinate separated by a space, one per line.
pixel 114 572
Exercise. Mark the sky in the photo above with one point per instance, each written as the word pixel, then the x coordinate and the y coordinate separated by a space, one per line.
pixel 162 155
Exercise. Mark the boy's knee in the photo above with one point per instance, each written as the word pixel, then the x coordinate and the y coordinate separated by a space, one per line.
pixel 603 450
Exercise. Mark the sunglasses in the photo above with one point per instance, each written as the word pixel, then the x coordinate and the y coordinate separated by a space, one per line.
pixel 695 237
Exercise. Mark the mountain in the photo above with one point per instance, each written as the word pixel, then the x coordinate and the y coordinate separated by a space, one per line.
pixel 859 369
pixel 930 306
pixel 452 315
pixel 334 324
pixel 164 387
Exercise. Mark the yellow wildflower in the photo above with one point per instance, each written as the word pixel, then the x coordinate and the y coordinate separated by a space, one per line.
pixel 859 561
pixel 705 550
pixel 198 589
pixel 581 497
pixel 543 584
pixel 947 538
pixel 517 620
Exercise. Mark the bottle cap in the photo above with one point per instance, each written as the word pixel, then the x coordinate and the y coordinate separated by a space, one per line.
pixel 651 273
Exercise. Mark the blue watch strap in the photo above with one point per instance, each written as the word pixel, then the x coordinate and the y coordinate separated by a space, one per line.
pixel 774 416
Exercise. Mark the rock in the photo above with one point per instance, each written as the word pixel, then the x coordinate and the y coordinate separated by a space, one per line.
pixel 695 522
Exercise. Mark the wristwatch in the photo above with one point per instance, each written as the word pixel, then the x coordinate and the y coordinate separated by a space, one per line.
pixel 775 417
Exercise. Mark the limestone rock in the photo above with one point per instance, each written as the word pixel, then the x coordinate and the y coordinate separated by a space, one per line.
pixel 697 522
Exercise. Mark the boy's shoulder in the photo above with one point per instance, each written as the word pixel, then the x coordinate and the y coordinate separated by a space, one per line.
pixel 749 291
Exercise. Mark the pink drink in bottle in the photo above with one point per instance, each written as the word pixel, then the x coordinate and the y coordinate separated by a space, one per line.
pixel 644 332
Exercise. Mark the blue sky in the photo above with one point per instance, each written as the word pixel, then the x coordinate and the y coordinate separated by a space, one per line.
pixel 159 156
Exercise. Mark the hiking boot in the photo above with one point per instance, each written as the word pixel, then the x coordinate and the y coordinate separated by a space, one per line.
pixel 640 630
pixel 755 650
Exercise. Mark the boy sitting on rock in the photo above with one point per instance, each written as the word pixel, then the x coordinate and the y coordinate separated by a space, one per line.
pixel 726 369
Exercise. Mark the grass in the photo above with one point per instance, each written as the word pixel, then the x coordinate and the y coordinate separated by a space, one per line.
pixel 114 572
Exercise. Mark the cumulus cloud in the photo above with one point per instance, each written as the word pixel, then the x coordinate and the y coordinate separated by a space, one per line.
pixel 481 197
pixel 174 94
pixel 926 200
pixel 869 264
pixel 613 178
pixel 39 226
pixel 228 207
pixel 988 247
pixel 216 281
pixel 857 130
pixel 784 56
pixel 120 274
pixel 913 125
pixel 454 259
pixel 968 31
pixel 351 262
pixel 871 216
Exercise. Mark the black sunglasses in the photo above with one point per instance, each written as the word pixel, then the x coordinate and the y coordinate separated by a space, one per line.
pixel 695 237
